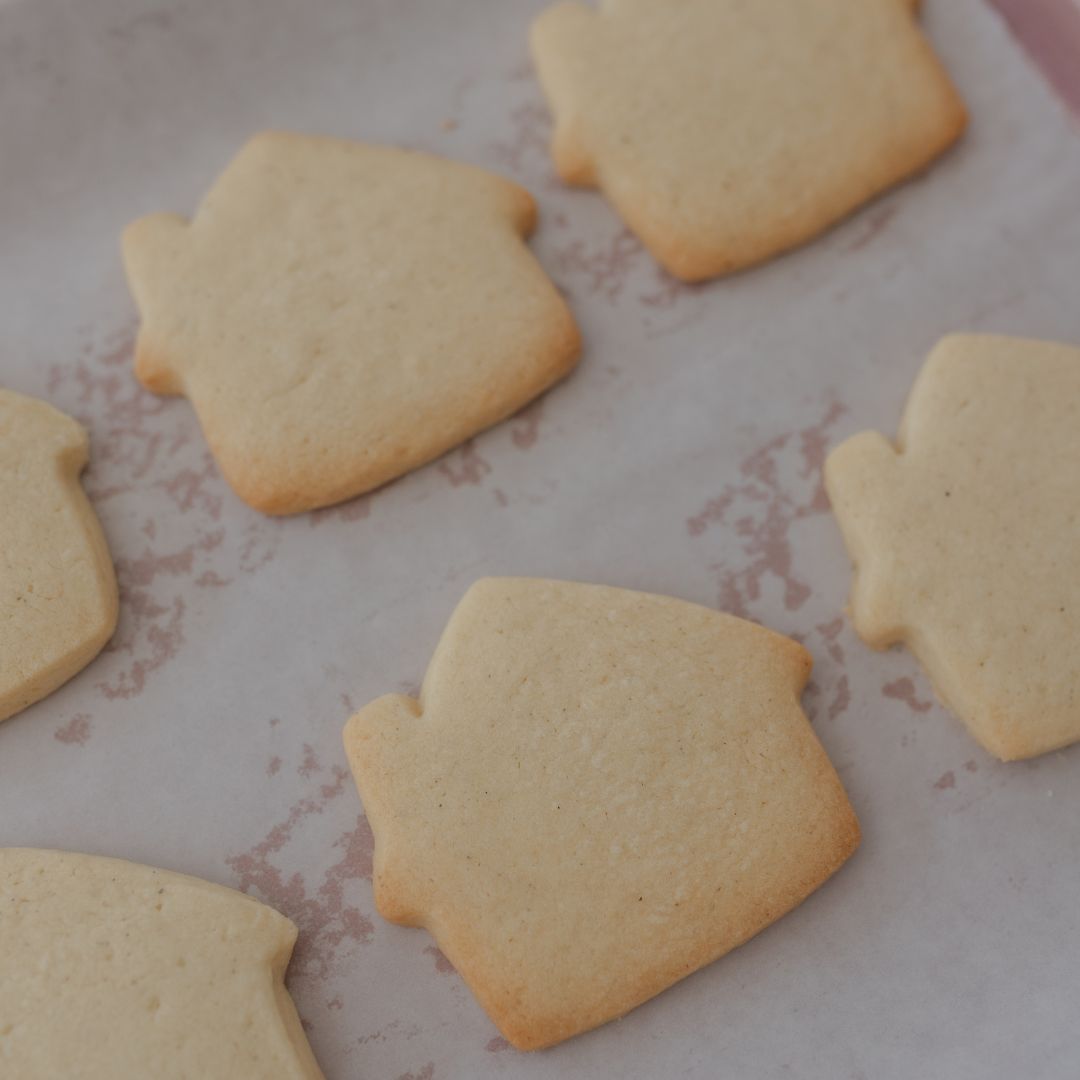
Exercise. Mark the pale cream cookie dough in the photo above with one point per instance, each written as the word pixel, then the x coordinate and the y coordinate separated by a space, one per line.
pixel 965 536
pixel 727 131
pixel 116 971
pixel 598 792
pixel 58 597
pixel 340 313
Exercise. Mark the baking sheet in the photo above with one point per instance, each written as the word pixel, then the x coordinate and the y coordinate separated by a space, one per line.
pixel 682 458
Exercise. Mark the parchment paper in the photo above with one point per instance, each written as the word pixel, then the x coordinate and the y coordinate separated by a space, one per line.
pixel 682 458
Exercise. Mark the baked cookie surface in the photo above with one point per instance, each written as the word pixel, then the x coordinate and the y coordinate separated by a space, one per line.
pixel 965 536
pixel 58 598
pixel 727 131
pixel 340 313
pixel 598 792
pixel 116 971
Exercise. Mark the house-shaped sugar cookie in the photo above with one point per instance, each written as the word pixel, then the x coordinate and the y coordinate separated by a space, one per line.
pixel 58 599
pixel 597 793
pixel 965 537
pixel 340 313
pixel 726 131
pixel 114 971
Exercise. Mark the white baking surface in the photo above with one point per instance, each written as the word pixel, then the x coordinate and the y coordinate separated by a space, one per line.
pixel 682 458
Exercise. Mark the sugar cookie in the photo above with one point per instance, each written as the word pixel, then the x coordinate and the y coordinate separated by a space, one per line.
pixel 116 971
pixel 598 792
pixel 58 598
pixel 726 131
pixel 966 536
pixel 340 313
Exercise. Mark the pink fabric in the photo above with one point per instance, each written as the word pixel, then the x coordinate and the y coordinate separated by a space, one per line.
pixel 1050 32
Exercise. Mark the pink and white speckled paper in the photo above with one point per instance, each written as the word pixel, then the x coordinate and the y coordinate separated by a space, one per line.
pixel 684 458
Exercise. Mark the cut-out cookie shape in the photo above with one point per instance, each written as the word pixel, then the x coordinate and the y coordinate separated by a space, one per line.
pixel 339 314
pixel 116 971
pixel 598 792
pixel 58 598
pixel 727 131
pixel 966 537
